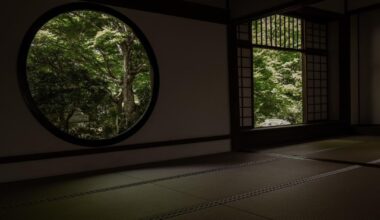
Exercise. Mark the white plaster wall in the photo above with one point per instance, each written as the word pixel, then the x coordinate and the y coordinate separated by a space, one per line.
pixel 193 98
pixel 369 67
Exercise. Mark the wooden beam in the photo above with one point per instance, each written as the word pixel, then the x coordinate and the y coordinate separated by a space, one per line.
pixel 364 9
pixel 370 130
pixel 345 75
pixel 279 136
pixel 279 9
pixel 109 149
pixel 315 14
pixel 233 86
pixel 173 7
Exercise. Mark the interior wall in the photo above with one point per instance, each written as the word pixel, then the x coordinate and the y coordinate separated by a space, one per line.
pixel 192 102
pixel 368 54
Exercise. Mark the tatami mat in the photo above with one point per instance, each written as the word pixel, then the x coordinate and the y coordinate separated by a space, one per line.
pixel 220 213
pixel 362 153
pixel 194 165
pixel 129 203
pixel 13 194
pixel 314 147
pixel 229 182
pixel 318 180
pixel 31 191
pixel 349 195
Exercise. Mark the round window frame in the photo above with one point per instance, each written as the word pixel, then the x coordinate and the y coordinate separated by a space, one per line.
pixel 24 84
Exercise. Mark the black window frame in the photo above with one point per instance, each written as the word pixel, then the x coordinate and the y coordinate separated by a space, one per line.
pixel 24 86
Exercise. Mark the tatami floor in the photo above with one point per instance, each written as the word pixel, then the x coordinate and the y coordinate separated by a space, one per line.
pixel 330 179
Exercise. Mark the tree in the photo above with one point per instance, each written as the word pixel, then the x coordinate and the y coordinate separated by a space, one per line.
pixel 89 74
pixel 277 86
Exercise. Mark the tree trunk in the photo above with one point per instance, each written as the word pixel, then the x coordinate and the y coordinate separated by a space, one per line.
pixel 128 98
pixel 67 120
pixel 129 105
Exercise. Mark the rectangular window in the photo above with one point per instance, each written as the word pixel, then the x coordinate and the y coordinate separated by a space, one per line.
pixel 277 71
pixel 282 69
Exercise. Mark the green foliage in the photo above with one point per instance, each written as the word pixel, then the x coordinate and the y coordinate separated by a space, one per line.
pixel 278 86
pixel 89 74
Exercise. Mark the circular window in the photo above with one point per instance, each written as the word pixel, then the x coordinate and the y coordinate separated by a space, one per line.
pixel 88 74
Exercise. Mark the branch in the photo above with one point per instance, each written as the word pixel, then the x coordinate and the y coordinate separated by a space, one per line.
pixel 108 68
